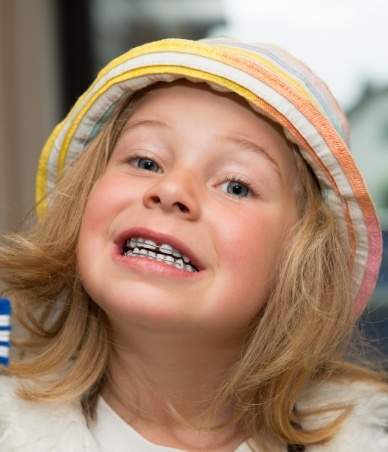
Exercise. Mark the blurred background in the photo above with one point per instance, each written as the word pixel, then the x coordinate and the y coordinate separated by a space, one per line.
pixel 51 50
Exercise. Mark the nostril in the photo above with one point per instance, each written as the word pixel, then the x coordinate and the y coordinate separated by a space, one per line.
pixel 182 207
pixel 155 199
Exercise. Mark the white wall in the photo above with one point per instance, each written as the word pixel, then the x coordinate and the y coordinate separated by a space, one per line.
pixel 29 99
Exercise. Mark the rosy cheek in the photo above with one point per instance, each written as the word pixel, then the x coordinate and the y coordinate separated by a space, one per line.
pixel 102 201
pixel 93 220
pixel 253 240
pixel 247 230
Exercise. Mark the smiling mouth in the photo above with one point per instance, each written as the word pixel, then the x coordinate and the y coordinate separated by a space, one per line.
pixel 140 247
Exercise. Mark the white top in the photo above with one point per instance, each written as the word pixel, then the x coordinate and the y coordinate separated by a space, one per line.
pixel 114 435
pixel 27 426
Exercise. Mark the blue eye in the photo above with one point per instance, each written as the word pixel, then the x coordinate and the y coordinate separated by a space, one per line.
pixel 146 164
pixel 236 188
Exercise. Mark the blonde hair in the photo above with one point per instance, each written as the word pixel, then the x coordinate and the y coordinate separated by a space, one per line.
pixel 303 334
pixel 300 337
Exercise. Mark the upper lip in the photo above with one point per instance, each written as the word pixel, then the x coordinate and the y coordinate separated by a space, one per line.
pixel 159 238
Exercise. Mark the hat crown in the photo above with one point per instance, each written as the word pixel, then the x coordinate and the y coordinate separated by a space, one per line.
pixel 299 77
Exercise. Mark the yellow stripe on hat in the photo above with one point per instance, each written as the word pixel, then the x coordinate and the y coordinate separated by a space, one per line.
pixel 42 171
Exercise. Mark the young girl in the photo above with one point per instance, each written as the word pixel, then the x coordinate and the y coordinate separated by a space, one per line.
pixel 204 246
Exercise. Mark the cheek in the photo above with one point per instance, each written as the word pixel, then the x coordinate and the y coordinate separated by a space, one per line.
pixel 92 225
pixel 253 239
pixel 106 200
pixel 250 258
pixel 95 225
pixel 101 201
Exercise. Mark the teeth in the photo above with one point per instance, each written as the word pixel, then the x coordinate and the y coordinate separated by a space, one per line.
pixel 166 248
pixel 150 245
pixel 141 247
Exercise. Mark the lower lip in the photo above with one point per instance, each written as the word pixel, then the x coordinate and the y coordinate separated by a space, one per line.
pixel 153 266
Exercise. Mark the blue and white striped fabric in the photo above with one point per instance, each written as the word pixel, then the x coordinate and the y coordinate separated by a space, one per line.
pixel 5 331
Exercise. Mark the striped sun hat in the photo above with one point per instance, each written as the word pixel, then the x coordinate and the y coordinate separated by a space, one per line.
pixel 275 84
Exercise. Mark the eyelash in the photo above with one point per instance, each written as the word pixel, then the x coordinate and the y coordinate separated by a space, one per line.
pixel 141 156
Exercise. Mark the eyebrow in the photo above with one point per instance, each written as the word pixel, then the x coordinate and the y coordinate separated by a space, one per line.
pixel 145 122
pixel 248 145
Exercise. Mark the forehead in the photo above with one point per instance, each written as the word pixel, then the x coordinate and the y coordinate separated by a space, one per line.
pixel 196 107
pixel 200 91
pixel 171 99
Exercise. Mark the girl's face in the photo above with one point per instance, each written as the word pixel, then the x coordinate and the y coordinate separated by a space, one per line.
pixel 196 178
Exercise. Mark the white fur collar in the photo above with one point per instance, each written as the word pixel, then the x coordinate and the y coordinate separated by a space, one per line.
pixel 41 427
pixel 366 428
pixel 61 427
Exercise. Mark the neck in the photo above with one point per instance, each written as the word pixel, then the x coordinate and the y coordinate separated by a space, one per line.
pixel 164 385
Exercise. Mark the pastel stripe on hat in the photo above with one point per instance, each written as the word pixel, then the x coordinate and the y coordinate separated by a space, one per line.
pixel 275 84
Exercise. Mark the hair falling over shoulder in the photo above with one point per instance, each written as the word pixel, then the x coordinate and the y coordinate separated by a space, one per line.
pixel 301 337
pixel 304 334
pixel 65 340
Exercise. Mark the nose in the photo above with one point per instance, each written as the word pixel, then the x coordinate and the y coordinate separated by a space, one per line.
pixel 175 192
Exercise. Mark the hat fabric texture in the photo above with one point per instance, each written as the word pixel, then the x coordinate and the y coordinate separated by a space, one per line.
pixel 275 84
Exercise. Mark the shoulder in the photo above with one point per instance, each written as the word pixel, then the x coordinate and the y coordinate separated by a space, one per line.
pixel 366 427
pixel 45 426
